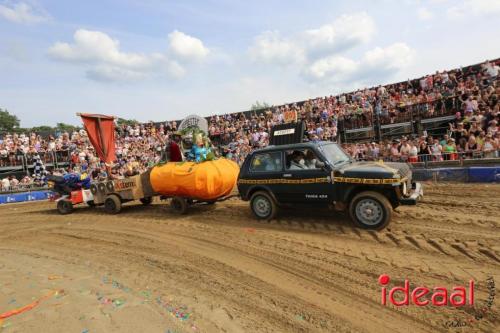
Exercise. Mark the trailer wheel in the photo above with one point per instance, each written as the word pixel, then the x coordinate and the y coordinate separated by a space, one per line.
pixel 64 207
pixel 179 205
pixel 146 201
pixel 112 204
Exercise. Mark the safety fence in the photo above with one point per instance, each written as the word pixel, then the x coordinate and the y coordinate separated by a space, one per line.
pixel 473 174
pixel 24 196
pixel 437 157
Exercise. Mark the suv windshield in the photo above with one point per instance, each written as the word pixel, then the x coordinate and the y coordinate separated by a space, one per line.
pixel 334 154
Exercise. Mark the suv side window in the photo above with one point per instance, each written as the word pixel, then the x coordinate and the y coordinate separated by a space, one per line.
pixel 266 162
pixel 301 159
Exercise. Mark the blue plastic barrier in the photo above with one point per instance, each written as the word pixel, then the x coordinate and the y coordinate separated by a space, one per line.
pixel 25 196
pixel 466 175
pixel 484 174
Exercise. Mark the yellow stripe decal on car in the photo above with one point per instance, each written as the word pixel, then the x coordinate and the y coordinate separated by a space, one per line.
pixel 367 180
pixel 285 181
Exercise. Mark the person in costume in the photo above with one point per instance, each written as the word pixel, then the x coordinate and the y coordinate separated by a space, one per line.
pixel 70 182
pixel 199 151
pixel 172 149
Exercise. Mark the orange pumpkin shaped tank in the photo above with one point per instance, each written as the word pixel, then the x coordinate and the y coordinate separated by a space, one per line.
pixel 207 180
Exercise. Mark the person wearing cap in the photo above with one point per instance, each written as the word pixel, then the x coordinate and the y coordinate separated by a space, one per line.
pixel 405 148
pixel 489 147
pixel 445 140
pixel 436 150
pixel 394 151
pixel 492 128
pixel 412 151
pixel 450 149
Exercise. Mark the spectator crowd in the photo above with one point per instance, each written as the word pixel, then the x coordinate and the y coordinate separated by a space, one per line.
pixel 470 94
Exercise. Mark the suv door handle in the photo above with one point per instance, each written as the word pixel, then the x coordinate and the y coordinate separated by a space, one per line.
pixel 287 175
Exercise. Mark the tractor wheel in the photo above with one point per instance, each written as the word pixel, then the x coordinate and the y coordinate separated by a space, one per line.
pixel 112 204
pixel 64 207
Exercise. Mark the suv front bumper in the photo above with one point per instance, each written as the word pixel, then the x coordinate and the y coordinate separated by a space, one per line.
pixel 414 196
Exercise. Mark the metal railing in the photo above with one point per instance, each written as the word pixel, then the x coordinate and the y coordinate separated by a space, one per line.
pixel 22 188
pixel 25 161
pixel 437 157
pixel 407 113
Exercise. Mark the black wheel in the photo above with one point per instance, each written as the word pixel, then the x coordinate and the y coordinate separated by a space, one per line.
pixel 112 204
pixel 179 205
pixel 64 207
pixel 263 206
pixel 370 210
pixel 91 203
pixel 146 201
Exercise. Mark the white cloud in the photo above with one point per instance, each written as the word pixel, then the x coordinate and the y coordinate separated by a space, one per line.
pixel 269 47
pixel 23 13
pixel 339 66
pixel 105 62
pixel 378 62
pixel 345 32
pixel 474 7
pixel 318 54
pixel 424 14
pixel 395 56
pixel 186 47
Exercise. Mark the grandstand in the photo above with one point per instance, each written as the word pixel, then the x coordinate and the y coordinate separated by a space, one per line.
pixel 420 110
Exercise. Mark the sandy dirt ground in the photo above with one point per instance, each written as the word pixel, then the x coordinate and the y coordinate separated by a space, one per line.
pixel 219 270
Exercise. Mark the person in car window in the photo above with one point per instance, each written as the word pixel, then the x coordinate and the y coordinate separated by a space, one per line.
pixel 298 161
pixel 310 160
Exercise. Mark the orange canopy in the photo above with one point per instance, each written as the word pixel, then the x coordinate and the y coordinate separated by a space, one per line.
pixel 207 180
pixel 101 132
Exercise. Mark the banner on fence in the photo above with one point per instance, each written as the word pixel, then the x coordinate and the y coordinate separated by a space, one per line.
pixel 25 196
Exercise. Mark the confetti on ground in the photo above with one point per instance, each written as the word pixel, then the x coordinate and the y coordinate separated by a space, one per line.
pixel 250 230
pixel 12 301
pixel 54 277
pixel 117 302
pixel 115 284
pixel 179 313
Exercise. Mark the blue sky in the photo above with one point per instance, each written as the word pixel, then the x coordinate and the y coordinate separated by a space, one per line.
pixel 160 60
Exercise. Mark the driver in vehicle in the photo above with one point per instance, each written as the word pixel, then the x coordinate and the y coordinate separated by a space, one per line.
pixel 298 161
pixel 311 160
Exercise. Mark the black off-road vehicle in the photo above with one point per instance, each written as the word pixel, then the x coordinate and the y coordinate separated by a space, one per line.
pixel 323 174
